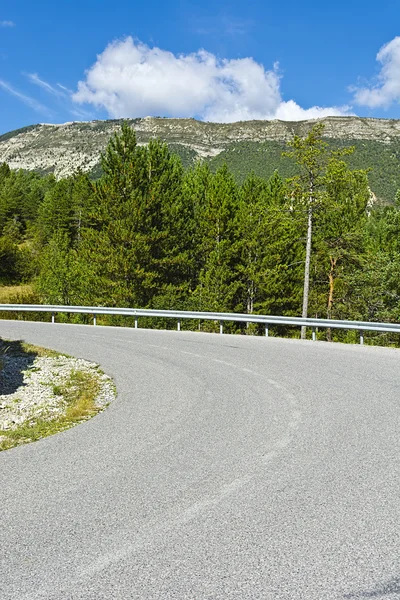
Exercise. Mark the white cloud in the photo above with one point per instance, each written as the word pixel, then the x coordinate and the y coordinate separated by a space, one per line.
pixel 65 89
pixel 28 100
pixel 387 89
pixel 34 78
pixel 130 79
pixel 7 24
pixel 62 94
pixel 290 111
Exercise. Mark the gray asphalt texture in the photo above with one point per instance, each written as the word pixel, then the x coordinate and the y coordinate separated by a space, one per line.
pixel 228 467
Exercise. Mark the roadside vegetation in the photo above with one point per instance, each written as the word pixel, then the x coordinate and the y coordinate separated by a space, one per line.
pixel 151 234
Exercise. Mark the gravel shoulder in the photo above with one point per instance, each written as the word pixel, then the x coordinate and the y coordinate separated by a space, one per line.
pixel 38 388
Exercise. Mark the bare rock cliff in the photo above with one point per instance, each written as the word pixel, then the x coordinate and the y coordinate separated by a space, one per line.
pixel 63 149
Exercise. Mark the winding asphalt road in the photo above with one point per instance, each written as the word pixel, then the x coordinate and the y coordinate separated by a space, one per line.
pixel 228 467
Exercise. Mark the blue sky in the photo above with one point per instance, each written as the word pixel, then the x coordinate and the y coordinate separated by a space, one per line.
pixel 222 61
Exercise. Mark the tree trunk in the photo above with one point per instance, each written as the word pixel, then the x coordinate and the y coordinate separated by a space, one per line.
pixel 330 295
pixel 250 297
pixel 306 287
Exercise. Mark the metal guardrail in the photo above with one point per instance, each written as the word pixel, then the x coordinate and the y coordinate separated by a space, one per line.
pixel 266 320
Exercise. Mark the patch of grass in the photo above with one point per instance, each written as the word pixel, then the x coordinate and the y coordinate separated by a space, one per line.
pixel 18 348
pixel 79 395
pixel 57 390
pixel 9 292
pixel 39 351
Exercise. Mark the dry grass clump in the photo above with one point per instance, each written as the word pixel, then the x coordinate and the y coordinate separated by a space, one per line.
pixel 8 293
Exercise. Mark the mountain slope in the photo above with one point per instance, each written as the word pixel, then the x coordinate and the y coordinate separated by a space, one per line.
pixel 245 146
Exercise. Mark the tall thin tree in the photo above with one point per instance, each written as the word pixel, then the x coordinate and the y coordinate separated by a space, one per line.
pixel 312 156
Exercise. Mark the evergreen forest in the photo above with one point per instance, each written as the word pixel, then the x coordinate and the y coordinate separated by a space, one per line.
pixel 152 234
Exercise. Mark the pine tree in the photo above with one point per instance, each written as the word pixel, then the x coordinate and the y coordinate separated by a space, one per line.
pixel 218 284
pixel 56 212
pixel 131 250
pixel 269 248
pixel 195 197
pixel 60 279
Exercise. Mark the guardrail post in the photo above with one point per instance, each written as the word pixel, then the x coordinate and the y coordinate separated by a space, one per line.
pixel 53 317
pixel 221 327
pixel 94 320
pixel 361 338
pixel 136 322
pixel 314 334
pixel 266 329
pixel 179 324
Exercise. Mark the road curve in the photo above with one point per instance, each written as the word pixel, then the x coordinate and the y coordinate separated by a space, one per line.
pixel 228 467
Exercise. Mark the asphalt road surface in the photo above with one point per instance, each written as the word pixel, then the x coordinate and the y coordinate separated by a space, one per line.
pixel 228 467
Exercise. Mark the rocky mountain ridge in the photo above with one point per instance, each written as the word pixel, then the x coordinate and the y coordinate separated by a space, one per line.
pixel 63 149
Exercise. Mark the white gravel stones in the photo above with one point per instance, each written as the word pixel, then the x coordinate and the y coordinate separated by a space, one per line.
pixel 30 387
